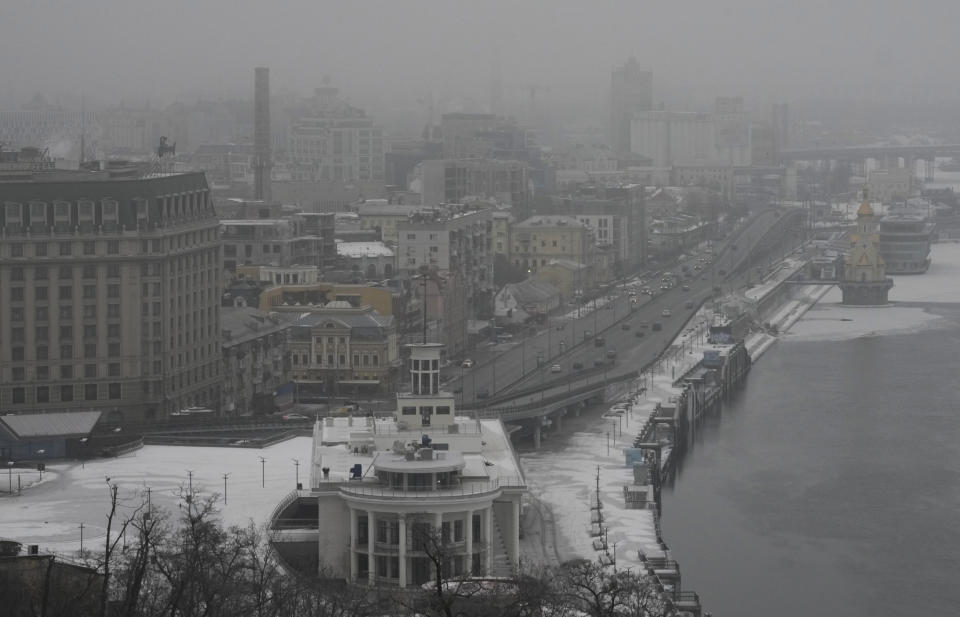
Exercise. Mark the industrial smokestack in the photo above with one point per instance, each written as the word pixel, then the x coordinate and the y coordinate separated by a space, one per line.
pixel 261 134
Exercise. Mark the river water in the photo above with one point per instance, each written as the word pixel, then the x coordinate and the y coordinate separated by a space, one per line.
pixel 831 484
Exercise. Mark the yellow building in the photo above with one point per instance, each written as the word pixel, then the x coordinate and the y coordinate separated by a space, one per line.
pixel 306 298
pixel 539 240
pixel 501 232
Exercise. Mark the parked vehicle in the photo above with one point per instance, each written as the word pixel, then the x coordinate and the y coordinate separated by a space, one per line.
pixel 665 312
pixel 599 341
pixel 611 353
pixel 483 394
pixel 657 326
pixel 468 363
pixel 555 368
pixel 577 366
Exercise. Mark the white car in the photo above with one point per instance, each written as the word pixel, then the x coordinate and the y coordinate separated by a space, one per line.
pixel 665 313
pixel 468 363
pixel 555 368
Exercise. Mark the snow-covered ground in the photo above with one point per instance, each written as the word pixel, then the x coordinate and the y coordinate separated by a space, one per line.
pixel 50 514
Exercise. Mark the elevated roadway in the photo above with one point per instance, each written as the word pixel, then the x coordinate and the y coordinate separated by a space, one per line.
pixel 515 385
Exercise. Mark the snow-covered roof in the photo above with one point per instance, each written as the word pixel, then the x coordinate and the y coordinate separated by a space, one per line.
pixel 363 249
pixel 51 424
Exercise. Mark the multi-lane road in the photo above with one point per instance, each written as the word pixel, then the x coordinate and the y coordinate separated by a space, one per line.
pixel 573 343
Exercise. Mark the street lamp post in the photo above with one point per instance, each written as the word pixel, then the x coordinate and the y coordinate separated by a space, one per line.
pixel 296 465
pixel 263 472
pixel 225 476
pixel 10 477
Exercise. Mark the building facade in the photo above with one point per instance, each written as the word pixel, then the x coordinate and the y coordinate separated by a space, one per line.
pixel 631 91
pixel 112 290
pixel 905 237
pixel 269 242
pixel 539 240
pixel 255 360
pixel 395 496
pixel 341 351
pixel 453 242
pixel 455 180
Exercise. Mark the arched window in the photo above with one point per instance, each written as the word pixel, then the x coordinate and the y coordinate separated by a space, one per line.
pixel 371 271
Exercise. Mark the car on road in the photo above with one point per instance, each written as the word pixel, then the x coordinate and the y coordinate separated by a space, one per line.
pixel 686 288
pixel 722 272
pixel 611 354
pixel 294 416
pixel 599 341
pixel 657 327
pixel 688 304
pixel 555 368
pixel 468 363
pixel 483 393
pixel 598 361
pixel 577 366
pixel 625 326
pixel 644 324
pixel 665 312
pixel 638 334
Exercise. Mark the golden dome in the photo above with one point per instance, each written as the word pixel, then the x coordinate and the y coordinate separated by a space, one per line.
pixel 865 209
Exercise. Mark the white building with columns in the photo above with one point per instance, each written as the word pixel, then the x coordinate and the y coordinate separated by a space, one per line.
pixel 393 495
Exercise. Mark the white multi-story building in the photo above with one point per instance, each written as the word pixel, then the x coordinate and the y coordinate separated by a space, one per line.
pixel 394 496
pixel 336 141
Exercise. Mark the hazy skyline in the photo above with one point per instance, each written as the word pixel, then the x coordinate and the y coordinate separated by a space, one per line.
pixel 392 53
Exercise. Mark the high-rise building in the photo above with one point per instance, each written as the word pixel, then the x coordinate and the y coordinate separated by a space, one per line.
pixel 111 282
pixel 631 90
pixel 336 142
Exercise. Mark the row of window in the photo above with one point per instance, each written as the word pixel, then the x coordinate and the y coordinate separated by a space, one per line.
pixel 65 371
pixel 64 292
pixel 64 312
pixel 91 392
pixel 358 360
pixel 42 333
pixel 42 273
pixel 42 352
pixel 88 248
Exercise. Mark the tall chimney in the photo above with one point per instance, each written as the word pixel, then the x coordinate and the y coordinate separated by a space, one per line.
pixel 261 134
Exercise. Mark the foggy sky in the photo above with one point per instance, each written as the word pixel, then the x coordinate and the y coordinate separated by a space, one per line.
pixel 394 52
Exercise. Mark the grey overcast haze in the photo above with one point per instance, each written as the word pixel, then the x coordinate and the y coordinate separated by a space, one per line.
pixel 385 54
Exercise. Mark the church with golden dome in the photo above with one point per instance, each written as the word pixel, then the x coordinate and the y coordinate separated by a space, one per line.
pixel 865 281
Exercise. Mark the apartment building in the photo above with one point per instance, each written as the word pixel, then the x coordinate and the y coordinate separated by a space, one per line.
pixel 112 289
pixel 454 242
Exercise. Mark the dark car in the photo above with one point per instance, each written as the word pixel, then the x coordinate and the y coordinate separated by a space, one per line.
pixel 611 354
pixel 577 366
pixel 722 272
pixel 638 334
pixel 483 393
pixel 625 326
pixel 657 326
pixel 598 361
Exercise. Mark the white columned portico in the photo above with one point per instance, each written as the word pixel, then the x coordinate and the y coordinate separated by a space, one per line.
pixel 402 520
pixel 468 529
pixel 488 537
pixel 515 532
pixel 371 529
pixel 353 544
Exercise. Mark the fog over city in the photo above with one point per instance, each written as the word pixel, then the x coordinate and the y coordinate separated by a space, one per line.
pixel 471 308
pixel 388 55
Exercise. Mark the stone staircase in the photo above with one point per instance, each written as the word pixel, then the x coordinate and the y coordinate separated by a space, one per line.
pixel 501 566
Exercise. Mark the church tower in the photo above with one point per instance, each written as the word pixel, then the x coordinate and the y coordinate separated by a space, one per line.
pixel 865 281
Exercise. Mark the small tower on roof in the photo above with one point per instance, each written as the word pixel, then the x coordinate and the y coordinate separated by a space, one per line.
pixel 865 281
